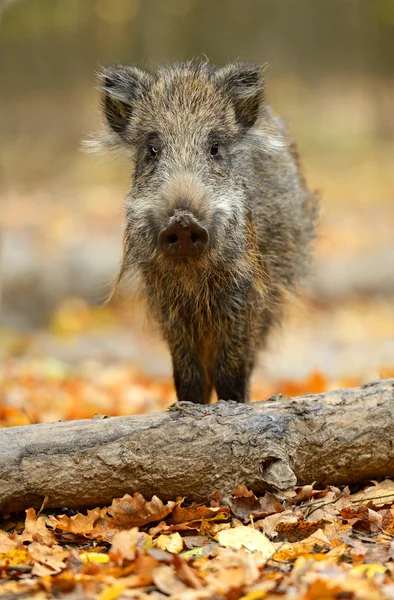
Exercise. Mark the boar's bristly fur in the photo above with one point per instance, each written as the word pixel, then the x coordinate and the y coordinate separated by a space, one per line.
pixel 209 157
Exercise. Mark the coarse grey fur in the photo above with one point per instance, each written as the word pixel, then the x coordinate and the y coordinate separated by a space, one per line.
pixel 204 145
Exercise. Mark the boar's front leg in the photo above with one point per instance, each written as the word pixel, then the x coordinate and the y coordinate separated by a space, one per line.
pixel 234 364
pixel 193 381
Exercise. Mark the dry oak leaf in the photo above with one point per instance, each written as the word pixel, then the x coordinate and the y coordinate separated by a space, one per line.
pixel 231 570
pixel 297 531
pixel 270 523
pixel 245 504
pixel 36 530
pixel 194 517
pixel 135 511
pixel 52 558
pixel 378 495
pixel 79 524
pixel 124 544
pixel 195 512
pixel 6 543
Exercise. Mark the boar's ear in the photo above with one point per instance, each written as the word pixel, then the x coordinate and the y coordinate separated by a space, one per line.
pixel 121 86
pixel 244 84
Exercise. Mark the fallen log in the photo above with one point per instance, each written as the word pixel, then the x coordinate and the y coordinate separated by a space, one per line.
pixel 337 437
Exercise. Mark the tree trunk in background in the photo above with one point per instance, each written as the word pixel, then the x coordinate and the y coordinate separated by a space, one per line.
pixel 338 437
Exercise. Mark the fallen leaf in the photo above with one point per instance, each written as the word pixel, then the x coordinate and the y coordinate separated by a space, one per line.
pixel 369 570
pixel 13 590
pixel 172 543
pixel 186 574
pixel 195 541
pixel 294 531
pixel 270 523
pixel 52 558
pixel 288 551
pixel 248 538
pixel 78 524
pixel 112 592
pixel 144 568
pixel 244 503
pixel 193 553
pixel 268 504
pixel 6 543
pixel 305 493
pixel 321 589
pixel 379 494
pixel 135 511
pixel 326 508
pixel 256 595
pixel 40 570
pixel 36 530
pixel 190 527
pixel 124 544
pixel 94 557
pixel 167 581
pixel 197 512
pixel 16 556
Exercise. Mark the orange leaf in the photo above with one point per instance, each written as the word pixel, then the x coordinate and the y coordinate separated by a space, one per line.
pixel 36 530
pixel 78 524
pixel 197 513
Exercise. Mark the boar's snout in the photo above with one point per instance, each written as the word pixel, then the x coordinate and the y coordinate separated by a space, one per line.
pixel 183 237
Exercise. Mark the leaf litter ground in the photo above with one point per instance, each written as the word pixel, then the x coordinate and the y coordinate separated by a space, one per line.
pixel 304 544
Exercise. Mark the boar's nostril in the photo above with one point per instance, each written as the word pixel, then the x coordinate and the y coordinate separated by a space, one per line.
pixel 180 241
pixel 172 238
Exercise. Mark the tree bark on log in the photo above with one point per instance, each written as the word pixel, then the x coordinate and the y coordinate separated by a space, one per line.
pixel 191 450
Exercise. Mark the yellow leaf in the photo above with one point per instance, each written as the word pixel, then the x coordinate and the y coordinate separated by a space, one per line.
pixel 369 570
pixel 256 595
pixel 112 592
pixel 16 557
pixel 246 537
pixel 94 557
pixel 172 543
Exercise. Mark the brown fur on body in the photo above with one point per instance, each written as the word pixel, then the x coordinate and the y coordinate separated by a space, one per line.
pixel 215 310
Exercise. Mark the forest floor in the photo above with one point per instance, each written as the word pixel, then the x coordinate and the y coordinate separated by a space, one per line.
pixel 306 543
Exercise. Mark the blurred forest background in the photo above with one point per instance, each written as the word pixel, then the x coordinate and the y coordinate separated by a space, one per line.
pixel 330 74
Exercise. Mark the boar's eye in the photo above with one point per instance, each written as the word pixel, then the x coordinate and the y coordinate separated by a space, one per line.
pixel 153 151
pixel 214 149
